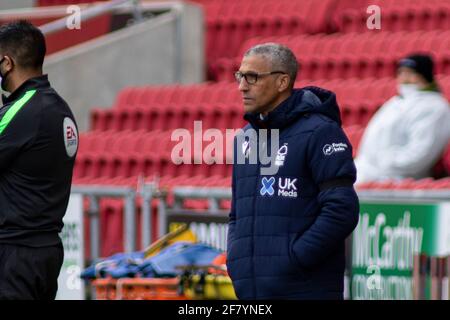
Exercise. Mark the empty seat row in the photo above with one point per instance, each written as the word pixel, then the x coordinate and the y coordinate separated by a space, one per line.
pixel 227 93
pixel 407 15
pixel 213 115
pixel 358 99
pixel 176 94
pixel 343 67
pixel 222 117
pixel 160 144
pixel 121 155
pixel 145 165
pixel 228 24
pixel 125 142
pixel 350 55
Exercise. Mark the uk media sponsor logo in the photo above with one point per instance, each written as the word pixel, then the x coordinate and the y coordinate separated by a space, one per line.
pixel 287 187
pixel 329 149
pixel 267 186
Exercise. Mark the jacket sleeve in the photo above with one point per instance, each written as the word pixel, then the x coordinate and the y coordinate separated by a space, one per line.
pixel 332 168
pixel 426 139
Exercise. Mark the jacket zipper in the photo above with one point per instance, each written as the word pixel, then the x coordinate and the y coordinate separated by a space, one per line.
pixel 255 203
pixel 254 218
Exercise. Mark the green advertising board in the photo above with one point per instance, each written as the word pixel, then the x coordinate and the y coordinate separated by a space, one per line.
pixel 385 241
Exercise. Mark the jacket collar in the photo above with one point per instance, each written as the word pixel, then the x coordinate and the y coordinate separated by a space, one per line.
pixel 275 119
pixel 40 82
pixel 301 102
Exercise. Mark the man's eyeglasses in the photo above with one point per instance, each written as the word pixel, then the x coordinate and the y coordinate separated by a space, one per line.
pixel 252 77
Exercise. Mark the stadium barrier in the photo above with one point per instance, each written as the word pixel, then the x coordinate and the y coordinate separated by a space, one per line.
pixel 103 288
pixel 94 194
pixel 397 230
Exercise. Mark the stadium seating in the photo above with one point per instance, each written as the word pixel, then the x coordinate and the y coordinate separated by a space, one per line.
pixel 228 24
pixel 399 15
pixel 132 153
pixel 349 55
pixel 218 105
pixel 170 116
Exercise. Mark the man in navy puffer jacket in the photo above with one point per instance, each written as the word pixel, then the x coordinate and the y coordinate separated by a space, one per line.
pixel 287 230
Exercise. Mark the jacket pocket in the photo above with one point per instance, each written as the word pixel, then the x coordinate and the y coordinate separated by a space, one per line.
pixel 305 273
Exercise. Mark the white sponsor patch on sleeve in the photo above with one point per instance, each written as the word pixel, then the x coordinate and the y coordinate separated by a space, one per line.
pixel 70 136
pixel 329 149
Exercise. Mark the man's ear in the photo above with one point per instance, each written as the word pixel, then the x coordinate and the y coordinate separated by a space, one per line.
pixel 7 64
pixel 283 82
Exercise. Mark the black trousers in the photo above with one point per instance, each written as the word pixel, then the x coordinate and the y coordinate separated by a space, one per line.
pixel 29 273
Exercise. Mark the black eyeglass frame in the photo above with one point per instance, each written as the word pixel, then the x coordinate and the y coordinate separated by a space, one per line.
pixel 240 75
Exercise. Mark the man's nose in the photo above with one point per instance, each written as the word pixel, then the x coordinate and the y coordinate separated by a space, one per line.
pixel 243 85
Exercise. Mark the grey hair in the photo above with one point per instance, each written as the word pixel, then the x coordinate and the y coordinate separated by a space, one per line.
pixel 279 56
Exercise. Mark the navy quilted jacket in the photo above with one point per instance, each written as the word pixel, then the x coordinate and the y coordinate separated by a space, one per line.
pixel 287 231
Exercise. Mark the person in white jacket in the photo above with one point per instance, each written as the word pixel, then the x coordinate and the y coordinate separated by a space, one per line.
pixel 409 133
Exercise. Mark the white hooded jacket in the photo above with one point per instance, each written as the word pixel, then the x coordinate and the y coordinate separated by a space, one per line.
pixel 405 138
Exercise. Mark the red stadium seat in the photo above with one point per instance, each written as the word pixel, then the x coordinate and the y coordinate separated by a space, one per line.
pixel 354 55
pixel 411 15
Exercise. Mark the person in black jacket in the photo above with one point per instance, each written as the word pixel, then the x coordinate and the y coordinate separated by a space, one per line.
pixel 38 145
pixel 287 230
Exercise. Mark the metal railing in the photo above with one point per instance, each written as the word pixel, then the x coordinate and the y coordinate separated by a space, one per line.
pixel 150 191
pixel 92 12
pixel 147 192
pixel 173 8
pixel 213 195
pixel 94 193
